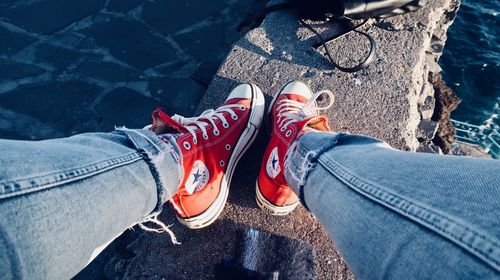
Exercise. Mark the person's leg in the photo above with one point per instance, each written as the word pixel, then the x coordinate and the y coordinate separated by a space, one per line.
pixel 400 215
pixel 63 200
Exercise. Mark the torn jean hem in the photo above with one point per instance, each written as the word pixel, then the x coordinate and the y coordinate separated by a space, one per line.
pixel 160 155
pixel 302 157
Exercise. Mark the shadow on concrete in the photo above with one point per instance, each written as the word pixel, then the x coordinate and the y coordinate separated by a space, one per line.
pixel 281 42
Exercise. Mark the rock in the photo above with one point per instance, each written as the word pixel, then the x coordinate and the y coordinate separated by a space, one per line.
pixel 108 71
pixel 466 149
pixel 182 67
pixel 68 103
pixel 8 3
pixel 170 16
pixel 427 129
pixel 430 148
pixel 125 107
pixel 49 16
pixel 446 102
pixel 133 42
pixel 13 42
pixel 15 70
pixel 206 71
pixel 180 95
pixel 14 125
pixel 202 42
pixel 122 5
pixel 59 58
pixel 426 107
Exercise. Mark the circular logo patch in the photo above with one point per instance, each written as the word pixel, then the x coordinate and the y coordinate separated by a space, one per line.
pixel 273 165
pixel 198 177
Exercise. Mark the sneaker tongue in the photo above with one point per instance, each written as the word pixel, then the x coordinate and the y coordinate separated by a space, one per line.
pixel 163 123
pixel 296 97
pixel 301 99
pixel 316 122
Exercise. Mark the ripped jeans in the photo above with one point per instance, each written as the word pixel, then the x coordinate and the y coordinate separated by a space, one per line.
pixel 392 214
pixel 400 215
pixel 63 201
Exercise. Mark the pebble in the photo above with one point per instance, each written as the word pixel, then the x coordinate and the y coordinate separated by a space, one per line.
pixel 286 56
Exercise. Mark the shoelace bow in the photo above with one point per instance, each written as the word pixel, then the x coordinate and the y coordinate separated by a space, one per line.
pixel 194 123
pixel 291 111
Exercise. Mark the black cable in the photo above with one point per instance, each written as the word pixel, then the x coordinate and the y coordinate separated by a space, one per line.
pixel 364 64
pixel 287 5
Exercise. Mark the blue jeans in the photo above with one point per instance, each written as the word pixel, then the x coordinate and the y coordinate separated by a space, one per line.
pixel 64 200
pixel 401 215
pixel 392 214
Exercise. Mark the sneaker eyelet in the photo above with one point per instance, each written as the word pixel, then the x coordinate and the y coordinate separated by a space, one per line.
pixel 216 132
pixel 225 125
pixel 222 163
pixel 205 136
pixel 283 129
pixel 186 145
pixel 288 133
pixel 195 141
pixel 234 117
pixel 242 108
pixel 228 147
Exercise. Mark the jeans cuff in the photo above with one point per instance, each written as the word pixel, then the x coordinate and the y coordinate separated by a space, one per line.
pixel 303 155
pixel 162 155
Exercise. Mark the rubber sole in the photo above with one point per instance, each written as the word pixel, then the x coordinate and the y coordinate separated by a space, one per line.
pixel 246 140
pixel 270 207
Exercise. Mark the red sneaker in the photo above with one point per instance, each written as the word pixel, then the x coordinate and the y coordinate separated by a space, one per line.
pixel 211 146
pixel 292 111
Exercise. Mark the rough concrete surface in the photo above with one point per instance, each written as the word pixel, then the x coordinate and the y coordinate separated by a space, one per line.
pixel 381 101
pixel 388 100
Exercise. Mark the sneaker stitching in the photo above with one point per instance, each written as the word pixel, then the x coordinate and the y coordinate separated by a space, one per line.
pixel 212 143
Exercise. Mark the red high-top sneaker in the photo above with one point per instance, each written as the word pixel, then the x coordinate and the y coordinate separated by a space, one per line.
pixel 292 111
pixel 211 146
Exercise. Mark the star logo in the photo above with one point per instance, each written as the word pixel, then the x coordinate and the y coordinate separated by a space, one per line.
pixel 198 177
pixel 273 165
pixel 274 161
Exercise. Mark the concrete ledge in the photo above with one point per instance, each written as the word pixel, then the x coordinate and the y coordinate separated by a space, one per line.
pixel 388 100
pixel 392 100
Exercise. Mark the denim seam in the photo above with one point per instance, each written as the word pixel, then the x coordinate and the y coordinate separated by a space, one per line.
pixel 149 159
pixel 304 152
pixel 63 176
pixel 420 214
pixel 292 166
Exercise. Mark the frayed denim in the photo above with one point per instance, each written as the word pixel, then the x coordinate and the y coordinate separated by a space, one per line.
pixel 400 215
pixel 64 200
pixel 392 214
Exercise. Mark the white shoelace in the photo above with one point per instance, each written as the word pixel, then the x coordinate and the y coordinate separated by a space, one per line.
pixel 193 123
pixel 291 111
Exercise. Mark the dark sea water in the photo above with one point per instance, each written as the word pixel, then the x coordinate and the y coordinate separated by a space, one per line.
pixel 471 60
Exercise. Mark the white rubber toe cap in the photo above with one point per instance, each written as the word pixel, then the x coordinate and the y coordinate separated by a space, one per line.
pixel 241 91
pixel 298 88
